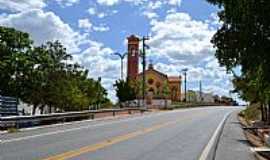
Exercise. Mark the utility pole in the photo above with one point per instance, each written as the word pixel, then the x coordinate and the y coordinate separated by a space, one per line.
pixel 99 93
pixel 200 90
pixel 122 57
pixel 185 74
pixel 145 38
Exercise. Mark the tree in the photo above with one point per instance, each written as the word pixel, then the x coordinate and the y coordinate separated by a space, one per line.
pixel 15 49
pixel 124 91
pixel 243 41
pixel 166 93
pixel 41 76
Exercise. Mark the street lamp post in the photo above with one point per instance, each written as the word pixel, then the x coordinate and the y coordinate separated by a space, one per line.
pixel 200 90
pixel 144 39
pixel 122 57
pixel 185 74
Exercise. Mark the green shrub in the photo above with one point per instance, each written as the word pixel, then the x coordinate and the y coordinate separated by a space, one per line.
pixel 252 112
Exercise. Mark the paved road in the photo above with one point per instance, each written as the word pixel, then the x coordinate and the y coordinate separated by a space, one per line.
pixel 174 135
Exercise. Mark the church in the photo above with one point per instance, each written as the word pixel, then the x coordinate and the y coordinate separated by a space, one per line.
pixel 156 81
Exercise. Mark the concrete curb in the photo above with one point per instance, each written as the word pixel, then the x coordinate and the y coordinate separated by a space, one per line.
pixel 209 152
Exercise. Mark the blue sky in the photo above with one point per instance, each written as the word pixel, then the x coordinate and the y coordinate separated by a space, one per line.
pixel 92 30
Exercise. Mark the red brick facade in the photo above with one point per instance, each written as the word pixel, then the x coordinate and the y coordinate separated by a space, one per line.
pixel 133 57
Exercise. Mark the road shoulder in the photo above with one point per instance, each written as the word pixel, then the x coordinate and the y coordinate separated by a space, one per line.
pixel 233 144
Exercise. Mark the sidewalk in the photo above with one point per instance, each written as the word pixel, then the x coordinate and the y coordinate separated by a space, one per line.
pixel 233 144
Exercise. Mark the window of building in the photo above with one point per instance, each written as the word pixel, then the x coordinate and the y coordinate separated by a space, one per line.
pixel 150 81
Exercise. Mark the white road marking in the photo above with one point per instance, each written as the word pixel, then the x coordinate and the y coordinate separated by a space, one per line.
pixel 211 143
pixel 95 125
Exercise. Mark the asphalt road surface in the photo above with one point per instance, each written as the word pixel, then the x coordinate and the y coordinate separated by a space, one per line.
pixel 174 135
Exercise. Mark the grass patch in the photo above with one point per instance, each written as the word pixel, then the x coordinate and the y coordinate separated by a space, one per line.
pixel 251 113
pixel 12 130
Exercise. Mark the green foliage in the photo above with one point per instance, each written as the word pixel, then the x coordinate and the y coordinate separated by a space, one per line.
pixel 252 112
pixel 13 130
pixel 166 90
pixel 243 41
pixel 41 76
pixel 124 91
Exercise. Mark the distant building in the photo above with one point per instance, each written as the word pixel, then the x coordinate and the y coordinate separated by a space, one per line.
pixel 196 96
pixel 206 97
pixel 156 81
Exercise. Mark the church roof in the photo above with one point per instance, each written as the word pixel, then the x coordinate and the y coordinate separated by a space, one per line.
pixel 156 71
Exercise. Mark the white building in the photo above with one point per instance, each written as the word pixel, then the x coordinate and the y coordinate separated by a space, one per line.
pixel 195 96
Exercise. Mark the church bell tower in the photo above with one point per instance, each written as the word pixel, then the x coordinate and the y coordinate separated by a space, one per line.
pixel 133 57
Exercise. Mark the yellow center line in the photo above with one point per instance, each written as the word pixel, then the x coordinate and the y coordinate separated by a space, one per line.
pixel 106 143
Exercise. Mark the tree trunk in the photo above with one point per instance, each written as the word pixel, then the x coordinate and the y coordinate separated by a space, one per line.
pixel 50 108
pixel 268 116
pixel 42 109
pixel 34 109
pixel 265 112
pixel 262 112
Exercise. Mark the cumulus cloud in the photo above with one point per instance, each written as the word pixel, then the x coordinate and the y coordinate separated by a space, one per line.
pixel 64 3
pixel 179 42
pixel 101 28
pixel 181 38
pixel 100 62
pixel 154 4
pixel 21 5
pixel 85 24
pixel 24 5
pixel 108 2
pixel 94 12
pixel 175 2
pixel 44 26
pixel 150 14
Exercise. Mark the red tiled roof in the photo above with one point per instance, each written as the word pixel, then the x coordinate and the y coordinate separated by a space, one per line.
pixel 174 79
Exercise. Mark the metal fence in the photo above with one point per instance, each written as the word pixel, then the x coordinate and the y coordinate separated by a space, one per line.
pixel 29 121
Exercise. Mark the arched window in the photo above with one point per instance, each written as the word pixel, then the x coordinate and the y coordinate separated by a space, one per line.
pixel 150 81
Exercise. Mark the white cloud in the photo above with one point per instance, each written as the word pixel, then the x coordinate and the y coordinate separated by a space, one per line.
pixel 179 42
pixel 102 15
pixel 64 3
pixel 85 24
pixel 25 5
pixel 182 39
pixel 154 4
pixel 108 2
pixel 21 5
pixel 101 28
pixel 150 14
pixel 44 26
pixel 92 11
pixel 101 63
pixel 175 2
